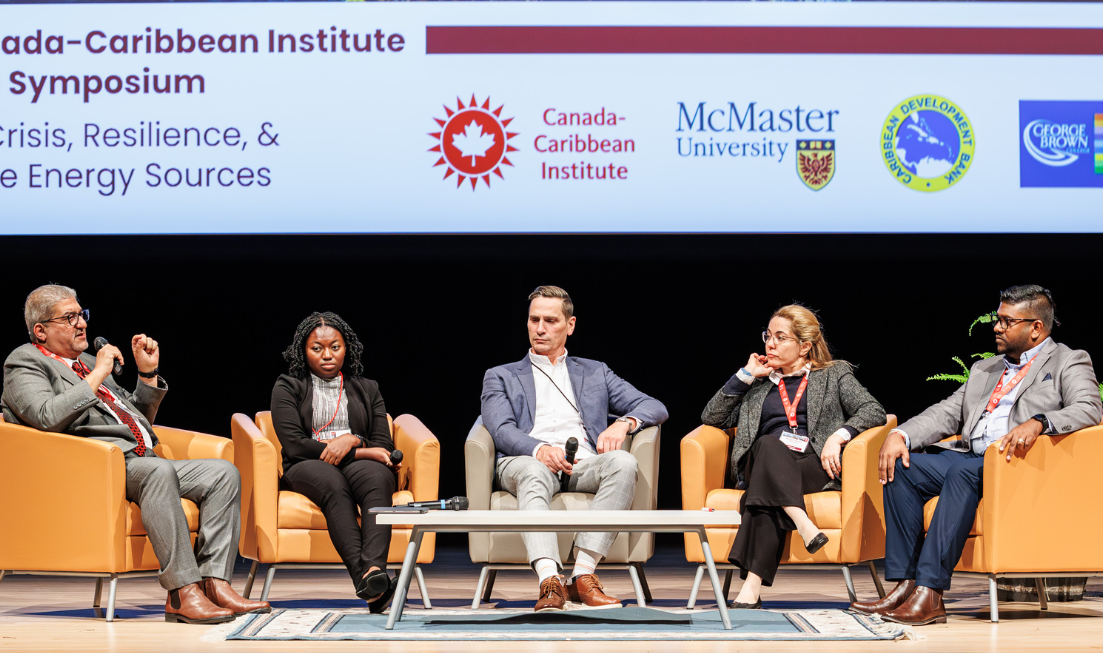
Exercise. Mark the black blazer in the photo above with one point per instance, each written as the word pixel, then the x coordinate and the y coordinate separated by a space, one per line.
pixel 293 417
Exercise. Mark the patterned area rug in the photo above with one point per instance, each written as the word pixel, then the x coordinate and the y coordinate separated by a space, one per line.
pixel 630 623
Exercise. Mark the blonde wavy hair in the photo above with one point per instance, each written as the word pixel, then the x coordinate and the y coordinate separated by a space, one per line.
pixel 806 328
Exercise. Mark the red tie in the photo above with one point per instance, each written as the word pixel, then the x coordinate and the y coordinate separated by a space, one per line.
pixel 123 415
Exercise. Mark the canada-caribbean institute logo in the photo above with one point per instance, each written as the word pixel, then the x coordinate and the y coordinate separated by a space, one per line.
pixel 473 142
pixel 816 163
pixel 927 143
pixel 1061 145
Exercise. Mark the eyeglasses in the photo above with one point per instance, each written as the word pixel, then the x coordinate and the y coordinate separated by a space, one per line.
pixel 71 318
pixel 1006 323
pixel 778 338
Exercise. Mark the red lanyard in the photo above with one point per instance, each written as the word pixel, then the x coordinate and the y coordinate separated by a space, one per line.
pixel 61 360
pixel 340 392
pixel 997 395
pixel 791 408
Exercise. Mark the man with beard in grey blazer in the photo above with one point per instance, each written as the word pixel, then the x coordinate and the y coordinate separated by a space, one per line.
pixel 532 408
pixel 1033 387
pixel 52 385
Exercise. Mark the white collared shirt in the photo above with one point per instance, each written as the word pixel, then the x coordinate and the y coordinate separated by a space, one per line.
pixel 555 420
pixel 145 435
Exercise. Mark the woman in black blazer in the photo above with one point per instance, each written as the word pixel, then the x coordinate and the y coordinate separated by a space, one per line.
pixel 336 443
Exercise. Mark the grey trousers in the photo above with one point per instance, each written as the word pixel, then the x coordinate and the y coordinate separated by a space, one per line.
pixel 157 485
pixel 610 476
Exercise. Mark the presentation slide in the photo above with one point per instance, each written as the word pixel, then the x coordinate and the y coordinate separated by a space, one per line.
pixel 620 117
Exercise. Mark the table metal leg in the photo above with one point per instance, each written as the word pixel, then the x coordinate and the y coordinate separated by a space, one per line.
pixel 696 587
pixel 721 603
pixel 404 578
pixel 423 588
pixel 483 574
pixel 489 588
pixel 643 581
pixel 641 600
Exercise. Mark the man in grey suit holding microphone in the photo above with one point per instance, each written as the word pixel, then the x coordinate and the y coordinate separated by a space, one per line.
pixel 52 385
pixel 1034 387
pixel 532 408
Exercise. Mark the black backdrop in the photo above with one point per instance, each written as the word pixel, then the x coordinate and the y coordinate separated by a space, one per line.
pixel 673 314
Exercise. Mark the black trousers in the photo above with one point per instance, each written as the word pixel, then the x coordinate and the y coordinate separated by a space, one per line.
pixel 343 493
pixel 776 477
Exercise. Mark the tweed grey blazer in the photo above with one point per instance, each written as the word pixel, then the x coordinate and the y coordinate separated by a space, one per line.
pixel 835 399
pixel 46 394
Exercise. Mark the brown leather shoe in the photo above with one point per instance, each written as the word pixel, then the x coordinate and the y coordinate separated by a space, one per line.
pixel 892 600
pixel 221 594
pixel 587 590
pixel 552 595
pixel 923 607
pixel 190 605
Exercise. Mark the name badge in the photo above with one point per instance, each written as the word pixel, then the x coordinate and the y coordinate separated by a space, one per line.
pixel 797 443
pixel 325 436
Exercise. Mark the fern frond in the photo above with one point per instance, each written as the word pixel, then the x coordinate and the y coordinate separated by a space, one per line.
pixel 983 319
pixel 960 378
pixel 984 355
pixel 963 366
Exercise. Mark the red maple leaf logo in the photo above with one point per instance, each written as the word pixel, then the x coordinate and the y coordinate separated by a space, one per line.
pixel 473 142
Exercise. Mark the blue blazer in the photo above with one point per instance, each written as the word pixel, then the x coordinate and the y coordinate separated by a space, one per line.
pixel 509 402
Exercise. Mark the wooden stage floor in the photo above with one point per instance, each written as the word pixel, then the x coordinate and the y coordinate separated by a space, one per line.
pixel 40 613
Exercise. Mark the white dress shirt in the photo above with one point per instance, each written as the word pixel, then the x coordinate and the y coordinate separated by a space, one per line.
pixel 555 420
pixel 145 435
pixel 993 425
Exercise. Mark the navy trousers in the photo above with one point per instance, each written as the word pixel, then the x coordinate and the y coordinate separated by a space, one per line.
pixel 956 479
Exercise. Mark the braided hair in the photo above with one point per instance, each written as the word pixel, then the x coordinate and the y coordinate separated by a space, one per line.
pixel 295 355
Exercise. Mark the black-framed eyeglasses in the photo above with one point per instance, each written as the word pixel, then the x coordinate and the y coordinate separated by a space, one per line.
pixel 779 338
pixel 71 318
pixel 1006 323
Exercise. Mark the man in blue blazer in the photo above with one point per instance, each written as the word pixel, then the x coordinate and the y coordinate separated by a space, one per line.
pixel 532 408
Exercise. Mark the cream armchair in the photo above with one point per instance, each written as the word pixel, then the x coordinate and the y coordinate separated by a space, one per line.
pixel 284 529
pixel 496 551
pixel 854 519
pixel 64 510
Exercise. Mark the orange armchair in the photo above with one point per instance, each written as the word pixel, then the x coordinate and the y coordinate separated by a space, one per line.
pixel 854 519
pixel 64 510
pixel 1039 516
pixel 284 529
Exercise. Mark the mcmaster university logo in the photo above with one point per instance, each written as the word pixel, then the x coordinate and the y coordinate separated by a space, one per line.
pixel 473 142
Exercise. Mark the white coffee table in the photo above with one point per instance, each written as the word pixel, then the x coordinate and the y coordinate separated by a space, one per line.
pixel 498 521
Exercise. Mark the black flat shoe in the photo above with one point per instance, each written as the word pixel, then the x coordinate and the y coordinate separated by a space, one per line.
pixel 734 605
pixel 817 543
pixel 380 604
pixel 373 584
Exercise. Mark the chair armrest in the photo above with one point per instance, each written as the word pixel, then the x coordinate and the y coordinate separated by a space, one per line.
pixel 704 455
pixel 178 444
pixel 645 449
pixel 863 508
pixel 479 460
pixel 63 505
pixel 420 472
pixel 258 463
pixel 1042 509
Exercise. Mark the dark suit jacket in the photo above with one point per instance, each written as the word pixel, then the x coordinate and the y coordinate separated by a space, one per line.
pixel 509 402
pixel 46 394
pixel 293 417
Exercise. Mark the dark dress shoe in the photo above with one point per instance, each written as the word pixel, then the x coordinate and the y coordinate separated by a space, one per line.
pixel 734 605
pixel 379 605
pixel 923 607
pixel 373 584
pixel 189 605
pixel 221 594
pixel 817 543
pixel 892 600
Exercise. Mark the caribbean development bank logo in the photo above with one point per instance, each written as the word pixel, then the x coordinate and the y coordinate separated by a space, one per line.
pixel 1060 144
pixel 473 142
pixel 927 143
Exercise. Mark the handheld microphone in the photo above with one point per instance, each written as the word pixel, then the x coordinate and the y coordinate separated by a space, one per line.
pixel 570 449
pixel 396 457
pixel 99 344
pixel 455 503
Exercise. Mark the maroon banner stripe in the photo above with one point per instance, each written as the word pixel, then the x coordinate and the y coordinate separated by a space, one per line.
pixel 760 40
